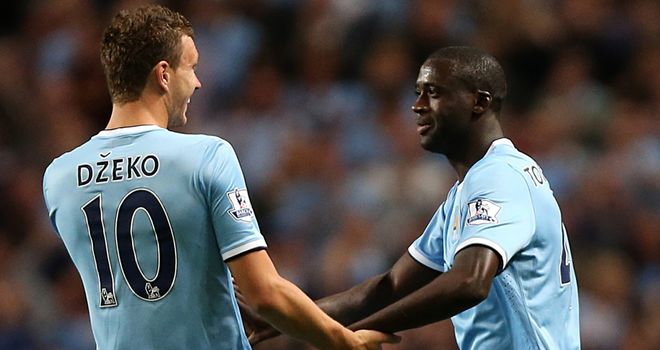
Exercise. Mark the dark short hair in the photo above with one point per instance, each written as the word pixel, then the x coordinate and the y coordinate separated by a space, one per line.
pixel 476 69
pixel 134 42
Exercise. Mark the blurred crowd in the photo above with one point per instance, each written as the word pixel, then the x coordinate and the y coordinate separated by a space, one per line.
pixel 315 96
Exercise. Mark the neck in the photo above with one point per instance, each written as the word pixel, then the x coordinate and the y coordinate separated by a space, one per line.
pixel 476 147
pixel 143 111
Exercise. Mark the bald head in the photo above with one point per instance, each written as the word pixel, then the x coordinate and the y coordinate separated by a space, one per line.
pixel 474 68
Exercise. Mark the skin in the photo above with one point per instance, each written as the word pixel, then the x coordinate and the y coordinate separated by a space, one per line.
pixel 183 83
pixel 455 121
pixel 164 102
pixel 451 119
pixel 288 309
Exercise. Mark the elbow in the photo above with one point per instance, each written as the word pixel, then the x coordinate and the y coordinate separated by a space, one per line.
pixel 264 299
pixel 265 309
pixel 474 290
pixel 264 303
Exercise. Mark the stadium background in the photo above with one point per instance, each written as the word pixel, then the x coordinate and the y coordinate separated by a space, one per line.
pixel 315 96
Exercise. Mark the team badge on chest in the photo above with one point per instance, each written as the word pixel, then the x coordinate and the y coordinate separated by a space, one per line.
pixel 482 211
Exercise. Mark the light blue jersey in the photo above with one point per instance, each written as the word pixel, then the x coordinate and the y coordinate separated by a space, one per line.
pixel 148 217
pixel 506 204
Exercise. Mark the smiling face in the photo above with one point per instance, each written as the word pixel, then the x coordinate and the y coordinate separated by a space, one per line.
pixel 184 83
pixel 443 108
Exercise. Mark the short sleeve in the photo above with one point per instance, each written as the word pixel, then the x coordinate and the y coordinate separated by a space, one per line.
pixel 50 208
pixel 498 211
pixel 428 249
pixel 235 225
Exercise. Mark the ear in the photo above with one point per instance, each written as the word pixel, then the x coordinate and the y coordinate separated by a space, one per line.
pixel 162 74
pixel 482 101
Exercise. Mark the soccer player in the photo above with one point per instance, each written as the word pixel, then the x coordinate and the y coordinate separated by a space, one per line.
pixel 495 256
pixel 155 220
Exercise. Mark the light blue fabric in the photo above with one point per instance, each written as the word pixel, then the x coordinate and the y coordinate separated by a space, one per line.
pixel 505 203
pixel 181 203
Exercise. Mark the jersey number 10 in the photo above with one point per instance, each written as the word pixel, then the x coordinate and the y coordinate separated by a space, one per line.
pixel 565 266
pixel 149 289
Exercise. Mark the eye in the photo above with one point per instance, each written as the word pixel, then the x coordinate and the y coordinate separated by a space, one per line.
pixel 433 92
pixel 418 92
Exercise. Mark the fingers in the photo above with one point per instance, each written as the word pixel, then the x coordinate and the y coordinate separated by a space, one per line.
pixel 378 337
pixel 391 338
pixel 239 295
pixel 262 334
pixel 388 338
pixel 253 339
pixel 257 337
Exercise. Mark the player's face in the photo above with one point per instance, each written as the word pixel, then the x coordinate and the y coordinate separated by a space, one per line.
pixel 443 108
pixel 184 83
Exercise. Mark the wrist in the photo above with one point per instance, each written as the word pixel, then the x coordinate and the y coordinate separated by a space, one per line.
pixel 344 338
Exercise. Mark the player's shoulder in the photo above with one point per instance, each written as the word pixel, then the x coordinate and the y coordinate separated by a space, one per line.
pixel 204 152
pixel 178 139
pixel 190 144
pixel 201 140
pixel 503 152
pixel 490 173
pixel 502 162
pixel 491 168
pixel 69 157
pixel 62 168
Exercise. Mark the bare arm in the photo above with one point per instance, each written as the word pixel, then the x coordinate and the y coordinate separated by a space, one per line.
pixel 289 310
pixel 464 286
pixel 406 275
pixel 360 301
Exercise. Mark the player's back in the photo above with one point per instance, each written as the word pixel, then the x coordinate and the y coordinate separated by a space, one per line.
pixel 537 291
pixel 544 269
pixel 137 209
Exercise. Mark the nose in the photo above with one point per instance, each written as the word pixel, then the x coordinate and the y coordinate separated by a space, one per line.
pixel 198 84
pixel 421 105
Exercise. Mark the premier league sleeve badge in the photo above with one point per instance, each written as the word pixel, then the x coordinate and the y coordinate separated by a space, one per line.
pixel 241 206
pixel 482 211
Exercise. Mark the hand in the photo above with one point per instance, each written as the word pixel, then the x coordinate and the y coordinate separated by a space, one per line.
pixel 373 340
pixel 259 330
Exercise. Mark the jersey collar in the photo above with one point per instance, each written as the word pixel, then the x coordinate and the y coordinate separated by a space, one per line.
pixel 501 141
pixel 129 130
pixel 498 142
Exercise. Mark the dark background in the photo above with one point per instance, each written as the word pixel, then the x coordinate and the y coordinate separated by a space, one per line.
pixel 315 96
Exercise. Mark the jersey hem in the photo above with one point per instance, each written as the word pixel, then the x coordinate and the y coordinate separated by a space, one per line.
pixel 258 243
pixel 424 260
pixel 488 243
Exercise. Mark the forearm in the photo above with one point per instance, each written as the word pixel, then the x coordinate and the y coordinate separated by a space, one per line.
pixel 444 297
pixel 358 302
pixel 285 306
pixel 291 312
pixel 464 286
pixel 405 277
